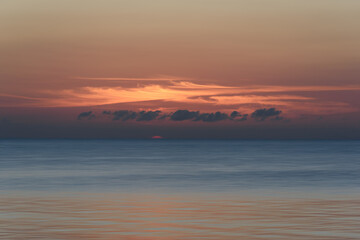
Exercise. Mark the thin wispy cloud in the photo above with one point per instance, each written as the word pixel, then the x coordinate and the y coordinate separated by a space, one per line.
pixel 155 78
pixel 18 96
pixel 11 100
pixel 184 93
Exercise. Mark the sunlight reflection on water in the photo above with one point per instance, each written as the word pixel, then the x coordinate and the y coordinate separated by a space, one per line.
pixel 186 216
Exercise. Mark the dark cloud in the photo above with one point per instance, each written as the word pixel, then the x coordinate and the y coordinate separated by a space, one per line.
pixel 164 116
pixel 148 116
pixel 243 117
pixel 86 115
pixel 235 115
pixel 212 117
pixel 130 116
pixel 181 115
pixel 263 114
pixel 124 115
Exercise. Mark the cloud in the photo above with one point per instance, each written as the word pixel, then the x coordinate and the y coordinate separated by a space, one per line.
pixel 212 117
pixel 106 112
pixel 235 114
pixel 164 116
pixel 124 115
pixel 263 114
pixel 86 115
pixel 185 91
pixel 181 115
pixel 155 78
pixel 186 115
pixel 175 92
pixel 10 100
pixel 242 118
pixel 147 116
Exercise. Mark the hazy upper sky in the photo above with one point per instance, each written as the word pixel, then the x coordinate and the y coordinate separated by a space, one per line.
pixel 299 57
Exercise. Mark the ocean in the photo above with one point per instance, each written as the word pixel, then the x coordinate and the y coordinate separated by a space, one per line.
pixel 179 189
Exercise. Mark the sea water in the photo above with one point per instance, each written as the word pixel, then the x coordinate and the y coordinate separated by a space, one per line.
pixel 179 189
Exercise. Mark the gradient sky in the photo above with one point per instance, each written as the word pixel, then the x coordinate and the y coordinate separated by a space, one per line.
pixel 62 58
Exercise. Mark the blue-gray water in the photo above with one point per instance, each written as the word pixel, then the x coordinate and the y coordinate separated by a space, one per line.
pixel 172 189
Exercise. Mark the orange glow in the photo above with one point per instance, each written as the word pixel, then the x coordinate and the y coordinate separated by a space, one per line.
pixel 189 93
pixel 203 55
pixel 184 93
pixel 157 137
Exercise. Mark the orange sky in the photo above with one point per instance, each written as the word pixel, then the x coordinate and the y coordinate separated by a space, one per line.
pixel 301 57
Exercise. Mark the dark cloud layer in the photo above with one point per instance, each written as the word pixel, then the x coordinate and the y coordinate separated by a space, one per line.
pixel 103 126
pixel 148 116
pixel 179 115
pixel 235 115
pixel 125 115
pixel 263 114
pixel 86 115
pixel 212 117
pixel 184 115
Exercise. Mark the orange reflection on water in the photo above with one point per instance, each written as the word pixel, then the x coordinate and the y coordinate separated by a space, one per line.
pixel 150 217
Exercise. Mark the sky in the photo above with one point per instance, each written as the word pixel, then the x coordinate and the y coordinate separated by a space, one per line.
pixel 249 69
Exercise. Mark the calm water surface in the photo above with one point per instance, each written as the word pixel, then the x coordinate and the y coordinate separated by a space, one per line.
pixel 162 189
